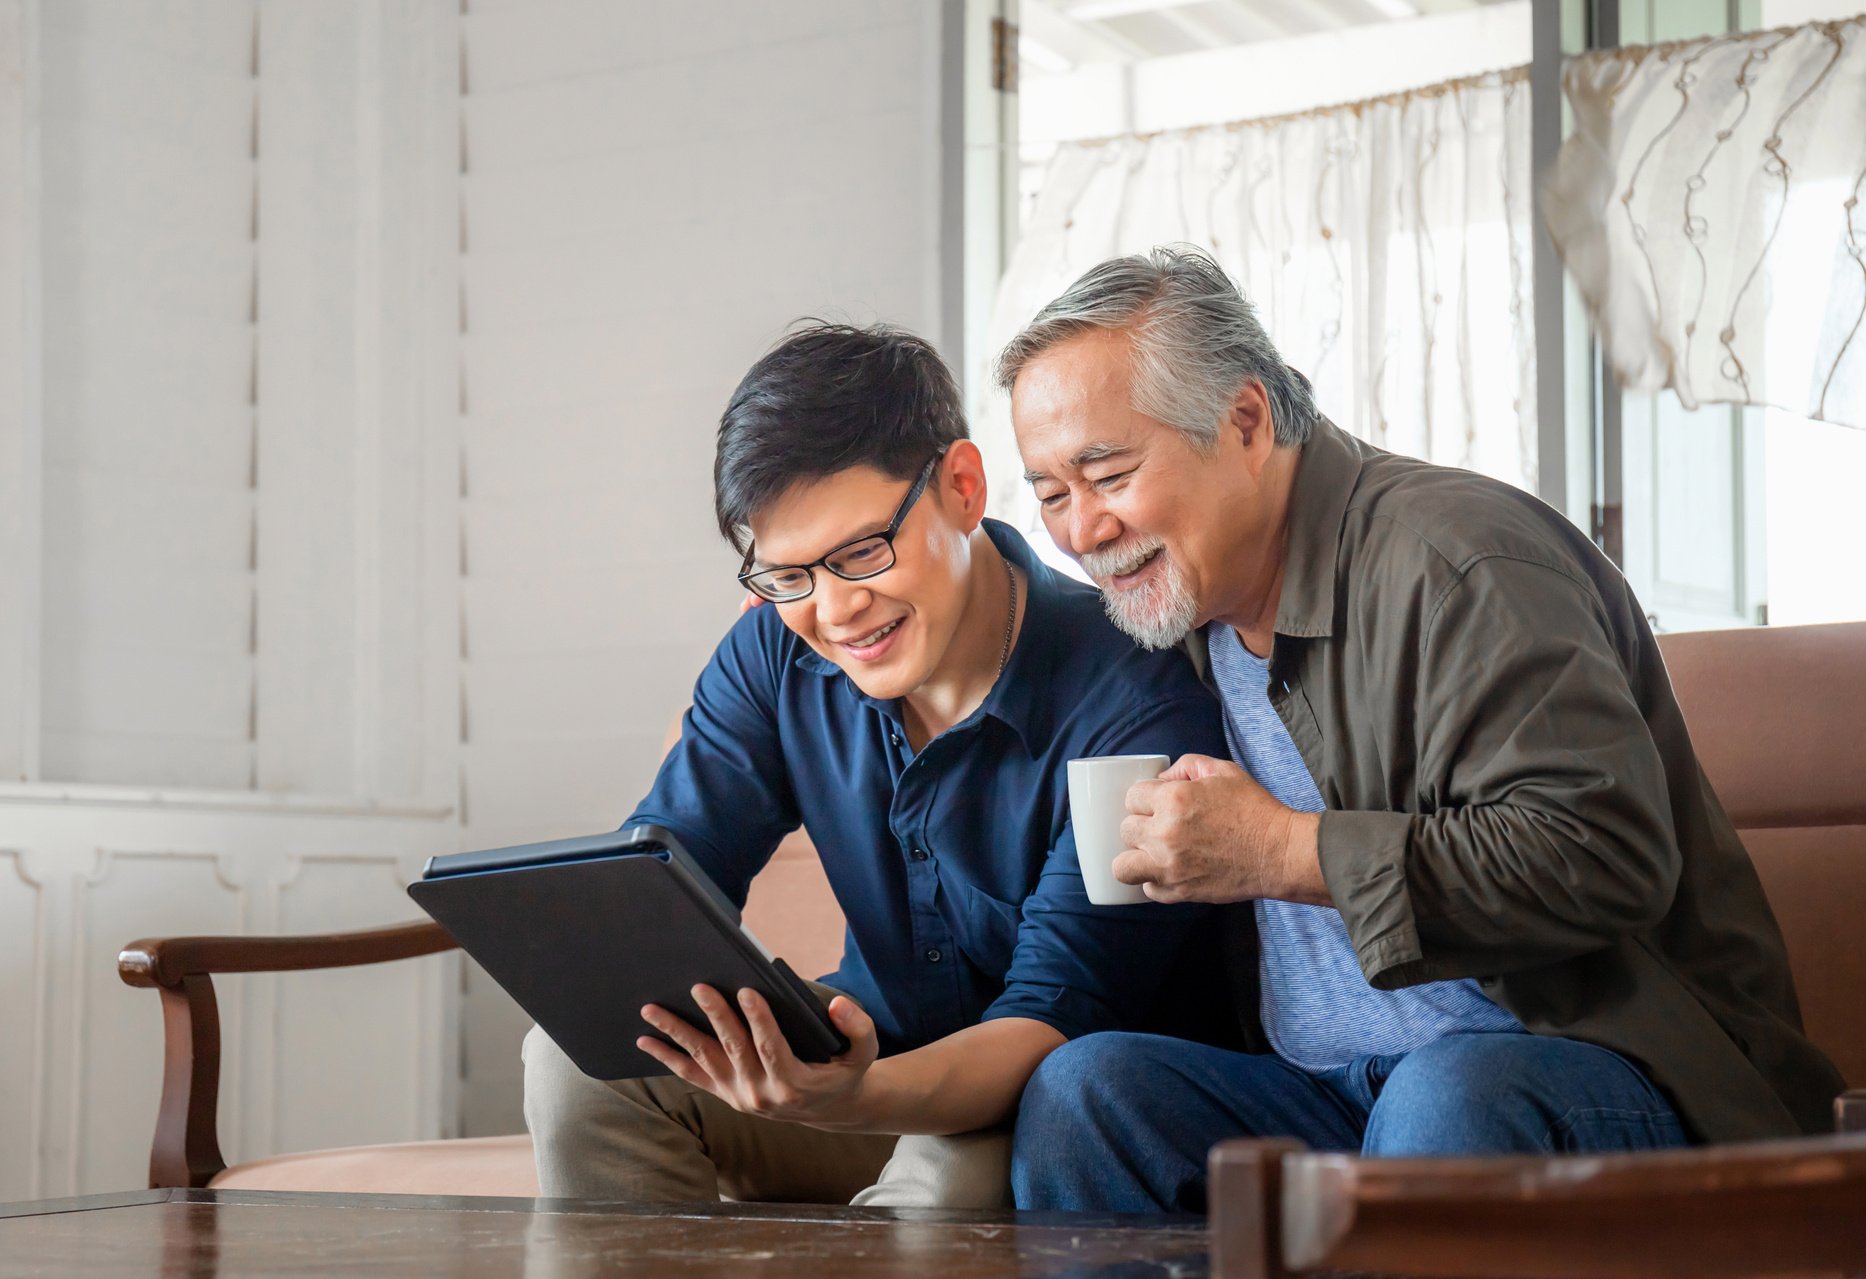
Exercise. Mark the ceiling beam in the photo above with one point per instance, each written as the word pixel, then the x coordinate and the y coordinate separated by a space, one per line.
pixel 1079 42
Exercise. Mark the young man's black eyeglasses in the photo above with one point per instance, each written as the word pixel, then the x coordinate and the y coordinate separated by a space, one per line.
pixel 853 561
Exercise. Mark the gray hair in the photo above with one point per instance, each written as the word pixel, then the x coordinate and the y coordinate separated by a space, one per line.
pixel 1196 342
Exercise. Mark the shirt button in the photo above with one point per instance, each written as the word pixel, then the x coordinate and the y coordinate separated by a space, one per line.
pixel 933 957
pixel 918 854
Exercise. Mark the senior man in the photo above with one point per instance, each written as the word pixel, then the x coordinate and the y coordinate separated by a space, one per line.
pixel 1496 906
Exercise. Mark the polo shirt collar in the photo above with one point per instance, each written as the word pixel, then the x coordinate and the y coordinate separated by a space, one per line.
pixel 1326 474
pixel 1020 699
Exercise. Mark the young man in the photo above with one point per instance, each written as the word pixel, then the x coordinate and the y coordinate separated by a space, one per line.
pixel 910 694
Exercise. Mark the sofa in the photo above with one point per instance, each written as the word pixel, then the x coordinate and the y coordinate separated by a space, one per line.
pixel 1778 717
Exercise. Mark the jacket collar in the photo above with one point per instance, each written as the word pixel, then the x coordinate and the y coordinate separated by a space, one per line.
pixel 1326 476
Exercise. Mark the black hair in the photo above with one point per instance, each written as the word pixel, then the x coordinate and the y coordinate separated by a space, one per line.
pixel 827 398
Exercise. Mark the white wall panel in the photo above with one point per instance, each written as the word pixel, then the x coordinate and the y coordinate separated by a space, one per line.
pixel 25 967
pixel 506 461
pixel 147 155
pixel 147 97
pixel 160 189
pixel 172 361
pixel 556 40
pixel 155 760
pixel 358 393
pixel 586 280
pixel 575 695
pixel 536 615
pixel 19 382
pixel 535 789
pixel 105 250
pixel 131 689
pixel 714 193
pixel 209 612
pixel 218 459
pixel 198 35
pixel 109 518
pixel 602 525
pixel 311 232
pixel 747 91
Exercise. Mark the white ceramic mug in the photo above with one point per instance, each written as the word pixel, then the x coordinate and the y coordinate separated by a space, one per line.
pixel 1097 805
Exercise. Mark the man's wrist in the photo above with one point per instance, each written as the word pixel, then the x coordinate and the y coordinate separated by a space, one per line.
pixel 855 1111
pixel 1302 862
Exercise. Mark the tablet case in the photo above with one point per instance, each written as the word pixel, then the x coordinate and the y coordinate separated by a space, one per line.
pixel 583 932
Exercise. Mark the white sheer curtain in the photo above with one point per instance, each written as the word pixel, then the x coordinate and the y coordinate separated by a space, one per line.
pixel 1385 245
pixel 1709 204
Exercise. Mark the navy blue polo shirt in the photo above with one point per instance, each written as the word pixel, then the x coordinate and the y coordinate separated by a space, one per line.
pixel 956 866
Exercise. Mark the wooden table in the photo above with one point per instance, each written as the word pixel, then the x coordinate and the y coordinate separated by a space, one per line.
pixel 198 1234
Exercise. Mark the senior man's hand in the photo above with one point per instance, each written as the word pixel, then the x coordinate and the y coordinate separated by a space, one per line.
pixel 1205 831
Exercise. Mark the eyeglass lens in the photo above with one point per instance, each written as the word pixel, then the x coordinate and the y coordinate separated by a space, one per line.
pixel 858 560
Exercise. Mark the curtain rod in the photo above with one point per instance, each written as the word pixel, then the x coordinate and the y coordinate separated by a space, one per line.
pixel 1505 75
pixel 1662 48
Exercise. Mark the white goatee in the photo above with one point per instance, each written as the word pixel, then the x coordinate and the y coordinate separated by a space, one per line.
pixel 1156 615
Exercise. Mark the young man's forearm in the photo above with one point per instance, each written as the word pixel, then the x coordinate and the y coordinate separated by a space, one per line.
pixel 964 1082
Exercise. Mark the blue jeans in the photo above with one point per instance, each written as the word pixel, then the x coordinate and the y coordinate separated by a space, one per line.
pixel 1122 1123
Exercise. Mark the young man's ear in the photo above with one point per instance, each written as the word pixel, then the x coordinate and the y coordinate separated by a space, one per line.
pixel 961 478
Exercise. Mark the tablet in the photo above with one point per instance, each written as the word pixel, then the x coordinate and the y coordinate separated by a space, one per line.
pixel 583 932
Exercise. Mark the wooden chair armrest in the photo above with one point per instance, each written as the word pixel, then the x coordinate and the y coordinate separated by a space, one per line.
pixel 164 961
pixel 186 1148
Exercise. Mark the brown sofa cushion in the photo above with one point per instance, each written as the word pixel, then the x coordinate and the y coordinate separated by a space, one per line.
pixel 1778 718
pixel 1815 877
pixel 793 912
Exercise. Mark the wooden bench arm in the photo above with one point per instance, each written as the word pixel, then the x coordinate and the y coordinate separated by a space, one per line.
pixel 165 961
pixel 186 1149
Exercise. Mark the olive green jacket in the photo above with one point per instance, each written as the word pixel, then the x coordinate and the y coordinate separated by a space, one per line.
pixel 1511 792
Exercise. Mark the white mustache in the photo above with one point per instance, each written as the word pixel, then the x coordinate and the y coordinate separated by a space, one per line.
pixel 1119 561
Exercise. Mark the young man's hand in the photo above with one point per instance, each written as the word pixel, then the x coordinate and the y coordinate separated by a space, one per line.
pixel 747 1064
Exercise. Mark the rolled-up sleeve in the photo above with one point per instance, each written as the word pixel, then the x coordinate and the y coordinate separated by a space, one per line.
pixel 1544 830
pixel 1079 967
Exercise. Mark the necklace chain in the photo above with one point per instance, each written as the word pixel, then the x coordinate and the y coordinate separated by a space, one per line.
pixel 1010 623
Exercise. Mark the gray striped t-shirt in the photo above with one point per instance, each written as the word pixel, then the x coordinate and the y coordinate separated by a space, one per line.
pixel 1317 1008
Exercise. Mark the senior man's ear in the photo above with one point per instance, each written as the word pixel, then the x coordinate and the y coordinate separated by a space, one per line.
pixel 1249 423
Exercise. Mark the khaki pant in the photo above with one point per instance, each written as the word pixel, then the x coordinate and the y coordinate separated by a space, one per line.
pixel 663 1141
